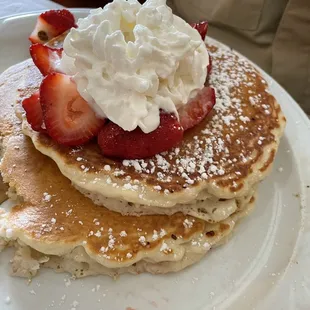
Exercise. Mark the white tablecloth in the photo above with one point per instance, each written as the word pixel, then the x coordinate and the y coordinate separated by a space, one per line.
pixel 9 7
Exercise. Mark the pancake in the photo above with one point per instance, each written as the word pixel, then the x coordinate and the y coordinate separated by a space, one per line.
pixel 231 151
pixel 79 262
pixel 211 209
pixel 53 225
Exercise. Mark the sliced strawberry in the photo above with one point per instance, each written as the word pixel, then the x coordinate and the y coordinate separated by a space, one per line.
pixel 197 108
pixel 202 28
pixel 33 110
pixel 45 58
pixel 68 118
pixel 116 142
pixel 51 24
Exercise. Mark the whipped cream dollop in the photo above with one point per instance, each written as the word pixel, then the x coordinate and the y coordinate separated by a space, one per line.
pixel 131 60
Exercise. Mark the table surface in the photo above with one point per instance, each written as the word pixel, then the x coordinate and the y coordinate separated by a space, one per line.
pixel 9 7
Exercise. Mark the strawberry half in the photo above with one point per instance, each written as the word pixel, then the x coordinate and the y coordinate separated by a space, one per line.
pixel 68 118
pixel 116 142
pixel 202 28
pixel 33 110
pixel 45 58
pixel 51 24
pixel 197 108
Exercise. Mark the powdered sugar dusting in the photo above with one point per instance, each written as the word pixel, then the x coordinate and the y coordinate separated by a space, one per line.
pixel 47 197
pixel 208 154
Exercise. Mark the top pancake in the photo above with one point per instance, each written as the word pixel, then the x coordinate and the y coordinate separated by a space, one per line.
pixel 224 156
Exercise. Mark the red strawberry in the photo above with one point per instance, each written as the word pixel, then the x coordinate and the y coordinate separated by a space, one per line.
pixel 68 118
pixel 45 58
pixel 116 142
pixel 33 110
pixel 202 28
pixel 51 24
pixel 197 108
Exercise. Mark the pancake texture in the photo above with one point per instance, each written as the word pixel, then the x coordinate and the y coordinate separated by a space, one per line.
pixel 210 209
pixel 56 224
pixel 231 151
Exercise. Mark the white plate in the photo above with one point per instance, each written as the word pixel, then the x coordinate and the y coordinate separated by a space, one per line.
pixel 266 264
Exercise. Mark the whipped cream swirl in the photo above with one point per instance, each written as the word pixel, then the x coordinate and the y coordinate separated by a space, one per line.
pixel 131 60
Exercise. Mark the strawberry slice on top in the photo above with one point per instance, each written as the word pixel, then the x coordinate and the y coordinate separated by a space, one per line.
pixel 45 58
pixel 197 108
pixel 202 28
pixel 68 118
pixel 33 111
pixel 51 24
pixel 116 142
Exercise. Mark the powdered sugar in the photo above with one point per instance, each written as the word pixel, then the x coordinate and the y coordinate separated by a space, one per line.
pixel 107 168
pixel 164 247
pixel 111 242
pixel 162 233
pixel 155 235
pixel 123 233
pixel 208 154
pixel 142 240
pixel 98 234
pixel 188 223
pixel 47 197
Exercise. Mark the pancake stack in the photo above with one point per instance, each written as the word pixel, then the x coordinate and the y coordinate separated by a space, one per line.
pixel 78 211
